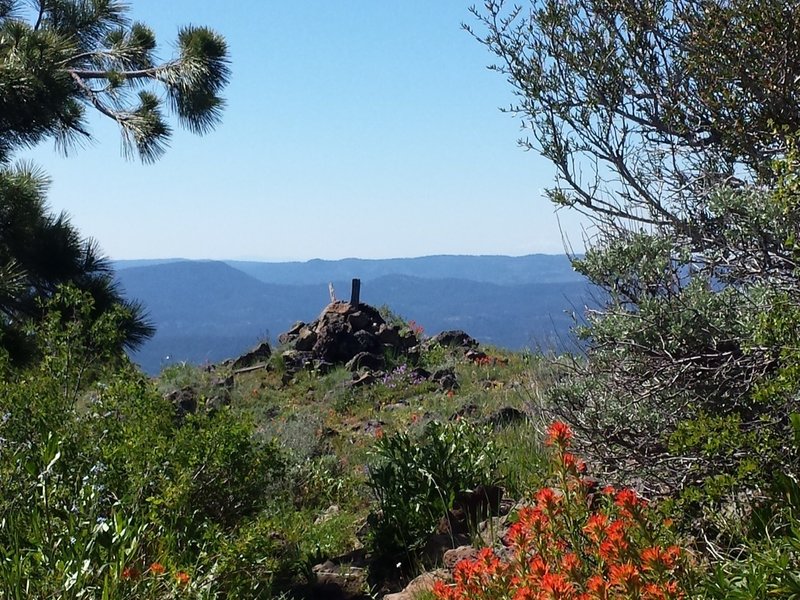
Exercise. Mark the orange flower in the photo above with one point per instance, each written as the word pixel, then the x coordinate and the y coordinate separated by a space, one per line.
pixel 615 543
pixel 625 575
pixel 130 572
pixel 598 586
pixel 671 556
pixel 559 434
pixel 549 559
pixel 654 558
pixel 667 590
pixel 157 568
pixel 547 499
pixel 572 463
pixel 538 567
pixel 595 527
pixel 571 564
pixel 182 577
pixel 443 591
pixel 629 502
pixel 557 585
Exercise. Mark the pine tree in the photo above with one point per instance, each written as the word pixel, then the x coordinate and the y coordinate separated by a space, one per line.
pixel 60 62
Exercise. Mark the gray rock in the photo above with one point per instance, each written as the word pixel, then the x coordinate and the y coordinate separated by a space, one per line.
pixel 366 360
pixel 454 338
pixel 260 353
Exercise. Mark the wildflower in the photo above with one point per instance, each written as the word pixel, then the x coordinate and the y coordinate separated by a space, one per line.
pixel 629 502
pixel 625 575
pixel 559 434
pixel 157 568
pixel 615 544
pixel 571 563
pixel 538 567
pixel 595 527
pixel 557 585
pixel 598 586
pixel 130 572
pixel 416 328
pixel 182 577
pixel 443 591
pixel 572 463
pixel 547 499
pixel 653 591
pixel 671 556
pixel 654 558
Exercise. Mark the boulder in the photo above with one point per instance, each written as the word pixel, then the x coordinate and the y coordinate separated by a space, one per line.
pixel 454 338
pixel 455 555
pixel 423 583
pixel 292 333
pixel 389 335
pixel 508 415
pixel 366 360
pixel 446 378
pixel 295 360
pixel 364 379
pixel 335 343
pixel 305 339
pixel 184 400
pixel 259 354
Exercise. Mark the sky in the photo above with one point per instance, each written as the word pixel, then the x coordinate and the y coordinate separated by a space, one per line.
pixel 355 128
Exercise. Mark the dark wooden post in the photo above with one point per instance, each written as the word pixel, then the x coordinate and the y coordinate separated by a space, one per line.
pixel 355 292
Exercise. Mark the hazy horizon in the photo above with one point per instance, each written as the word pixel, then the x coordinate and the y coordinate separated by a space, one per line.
pixel 335 259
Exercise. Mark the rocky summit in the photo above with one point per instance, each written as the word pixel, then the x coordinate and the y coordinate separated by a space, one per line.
pixel 355 335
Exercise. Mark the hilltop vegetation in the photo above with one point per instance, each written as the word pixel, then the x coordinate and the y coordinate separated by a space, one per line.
pixel 662 462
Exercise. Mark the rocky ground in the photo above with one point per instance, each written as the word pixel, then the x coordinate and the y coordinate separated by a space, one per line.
pixel 334 386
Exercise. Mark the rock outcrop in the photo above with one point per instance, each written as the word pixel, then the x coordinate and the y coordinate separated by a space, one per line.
pixel 345 334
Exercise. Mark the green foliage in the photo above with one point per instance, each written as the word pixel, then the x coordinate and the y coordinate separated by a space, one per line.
pixel 669 126
pixel 40 252
pixel 56 59
pixel 106 479
pixel 415 480
pixel 434 356
pixel 766 566
pixel 71 55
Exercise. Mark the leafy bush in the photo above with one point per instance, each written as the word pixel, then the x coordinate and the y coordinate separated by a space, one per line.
pixel 102 481
pixel 416 480
pixel 766 564
pixel 766 570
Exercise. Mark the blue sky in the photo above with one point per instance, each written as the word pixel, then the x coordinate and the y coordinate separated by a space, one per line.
pixel 353 128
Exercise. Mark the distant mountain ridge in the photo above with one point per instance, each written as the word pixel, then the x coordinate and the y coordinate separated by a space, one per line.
pixel 504 270
pixel 206 311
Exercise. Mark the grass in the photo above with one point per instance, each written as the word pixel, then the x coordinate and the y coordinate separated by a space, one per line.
pixel 329 428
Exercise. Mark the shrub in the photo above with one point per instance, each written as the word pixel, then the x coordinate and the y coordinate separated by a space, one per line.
pixel 102 480
pixel 416 480
pixel 766 564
